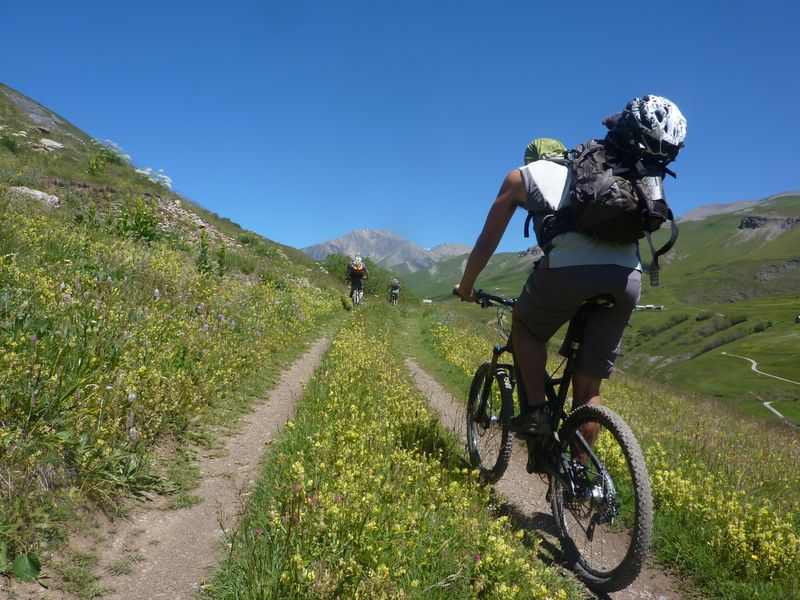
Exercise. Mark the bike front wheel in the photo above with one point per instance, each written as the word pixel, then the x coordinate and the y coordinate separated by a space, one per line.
pixel 601 499
pixel 489 406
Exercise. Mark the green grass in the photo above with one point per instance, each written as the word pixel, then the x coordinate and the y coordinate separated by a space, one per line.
pixel 113 343
pixel 365 496
pixel 724 486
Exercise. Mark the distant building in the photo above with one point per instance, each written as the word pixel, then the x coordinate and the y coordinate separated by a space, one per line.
pixel 650 307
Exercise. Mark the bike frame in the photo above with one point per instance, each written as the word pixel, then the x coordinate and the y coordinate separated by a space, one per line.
pixel 556 388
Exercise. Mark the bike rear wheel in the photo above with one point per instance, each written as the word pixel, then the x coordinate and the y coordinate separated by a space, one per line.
pixel 601 499
pixel 489 440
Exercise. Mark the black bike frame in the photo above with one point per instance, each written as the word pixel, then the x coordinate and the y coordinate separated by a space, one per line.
pixel 556 388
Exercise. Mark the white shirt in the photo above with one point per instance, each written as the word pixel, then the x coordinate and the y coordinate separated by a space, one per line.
pixel 547 189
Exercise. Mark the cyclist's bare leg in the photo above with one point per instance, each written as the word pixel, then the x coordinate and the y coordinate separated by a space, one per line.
pixel 585 390
pixel 531 356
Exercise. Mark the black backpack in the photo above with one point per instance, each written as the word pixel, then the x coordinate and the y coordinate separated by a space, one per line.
pixel 613 196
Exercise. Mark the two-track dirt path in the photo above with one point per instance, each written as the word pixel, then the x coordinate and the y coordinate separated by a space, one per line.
pixel 181 547
pixel 171 552
pixel 524 494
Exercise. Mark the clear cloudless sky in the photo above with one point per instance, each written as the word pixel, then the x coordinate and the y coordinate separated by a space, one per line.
pixel 303 120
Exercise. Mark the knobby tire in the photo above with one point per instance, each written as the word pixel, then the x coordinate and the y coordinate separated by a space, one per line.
pixel 489 440
pixel 606 552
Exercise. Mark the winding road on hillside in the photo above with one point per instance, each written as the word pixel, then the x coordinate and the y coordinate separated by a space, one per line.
pixel 524 496
pixel 754 367
pixel 767 405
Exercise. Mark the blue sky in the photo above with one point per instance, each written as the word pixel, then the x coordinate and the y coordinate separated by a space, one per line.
pixel 304 120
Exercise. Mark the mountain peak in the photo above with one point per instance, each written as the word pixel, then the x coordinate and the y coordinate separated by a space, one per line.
pixel 387 248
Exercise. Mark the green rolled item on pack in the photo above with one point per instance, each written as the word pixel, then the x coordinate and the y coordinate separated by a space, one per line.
pixel 543 148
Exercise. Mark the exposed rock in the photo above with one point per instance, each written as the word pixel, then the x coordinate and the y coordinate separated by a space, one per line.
pixel 40 116
pixel 775 271
pixel 173 212
pixel 47 145
pixel 43 197
pixel 754 222
pixel 82 185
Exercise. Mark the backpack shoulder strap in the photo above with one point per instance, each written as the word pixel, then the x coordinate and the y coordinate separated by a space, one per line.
pixel 564 161
pixel 654 278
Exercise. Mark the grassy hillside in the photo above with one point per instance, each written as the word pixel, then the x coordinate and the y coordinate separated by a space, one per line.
pixel 130 319
pixel 724 487
pixel 505 274
pixel 725 289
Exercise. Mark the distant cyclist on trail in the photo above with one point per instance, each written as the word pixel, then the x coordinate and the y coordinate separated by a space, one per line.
pixel 394 291
pixel 357 272
pixel 641 141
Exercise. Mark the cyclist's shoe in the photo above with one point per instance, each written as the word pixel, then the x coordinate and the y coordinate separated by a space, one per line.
pixel 533 421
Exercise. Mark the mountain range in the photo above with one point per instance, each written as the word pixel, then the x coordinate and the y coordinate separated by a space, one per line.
pixel 387 249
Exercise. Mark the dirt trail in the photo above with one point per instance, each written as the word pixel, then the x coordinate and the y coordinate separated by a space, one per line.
pixel 171 552
pixel 181 547
pixel 524 494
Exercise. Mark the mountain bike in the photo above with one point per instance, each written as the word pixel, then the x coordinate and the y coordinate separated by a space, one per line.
pixel 394 296
pixel 599 491
pixel 355 297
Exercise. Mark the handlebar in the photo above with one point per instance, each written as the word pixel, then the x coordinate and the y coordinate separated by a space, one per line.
pixel 486 300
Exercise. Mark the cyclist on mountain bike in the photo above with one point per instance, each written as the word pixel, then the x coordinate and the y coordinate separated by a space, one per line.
pixel 357 272
pixel 576 266
pixel 394 290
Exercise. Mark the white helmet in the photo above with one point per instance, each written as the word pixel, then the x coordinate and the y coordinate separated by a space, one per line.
pixel 656 125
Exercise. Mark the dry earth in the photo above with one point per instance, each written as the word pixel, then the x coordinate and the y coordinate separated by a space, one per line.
pixel 171 552
pixel 523 496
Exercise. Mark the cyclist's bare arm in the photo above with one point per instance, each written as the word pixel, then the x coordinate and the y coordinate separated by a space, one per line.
pixel 511 194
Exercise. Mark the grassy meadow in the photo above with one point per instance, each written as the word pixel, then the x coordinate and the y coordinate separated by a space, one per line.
pixel 131 322
pixel 366 497
pixel 725 488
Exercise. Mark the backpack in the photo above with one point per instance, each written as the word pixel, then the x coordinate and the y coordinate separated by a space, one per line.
pixel 614 197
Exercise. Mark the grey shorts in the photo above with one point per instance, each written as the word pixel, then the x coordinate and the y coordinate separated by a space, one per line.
pixel 551 296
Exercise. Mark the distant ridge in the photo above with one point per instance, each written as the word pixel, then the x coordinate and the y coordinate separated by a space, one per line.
pixel 388 249
pixel 708 210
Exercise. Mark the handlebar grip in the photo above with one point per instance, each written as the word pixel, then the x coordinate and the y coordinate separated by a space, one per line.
pixel 455 293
